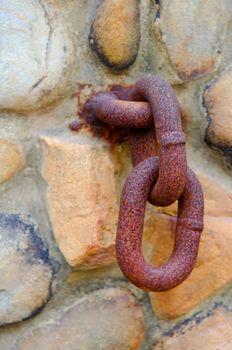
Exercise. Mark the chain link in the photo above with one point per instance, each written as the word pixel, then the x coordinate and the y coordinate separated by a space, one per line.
pixel 150 110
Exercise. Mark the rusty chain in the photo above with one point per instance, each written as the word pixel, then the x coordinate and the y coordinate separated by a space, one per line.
pixel 150 110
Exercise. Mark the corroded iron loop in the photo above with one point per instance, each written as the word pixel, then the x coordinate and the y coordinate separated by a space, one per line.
pixel 130 230
pixel 169 135
pixel 107 107
pixel 154 105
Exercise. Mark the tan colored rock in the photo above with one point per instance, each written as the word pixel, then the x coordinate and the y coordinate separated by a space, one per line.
pixel 25 269
pixel 218 104
pixel 11 160
pixel 193 33
pixel 81 197
pixel 115 32
pixel 106 319
pixel 212 333
pixel 37 55
pixel 212 271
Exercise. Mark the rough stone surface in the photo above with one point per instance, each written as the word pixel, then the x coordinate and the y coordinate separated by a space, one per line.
pixel 26 274
pixel 192 48
pixel 115 32
pixel 211 333
pixel 81 197
pixel 218 104
pixel 11 160
pixel 36 55
pixel 106 319
pixel 46 56
pixel 212 270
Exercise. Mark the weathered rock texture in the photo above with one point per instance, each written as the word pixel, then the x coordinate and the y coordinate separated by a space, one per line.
pixel 105 319
pixel 210 333
pixel 11 160
pixel 81 199
pixel 25 270
pixel 218 105
pixel 115 33
pixel 36 55
pixel 53 53
pixel 185 27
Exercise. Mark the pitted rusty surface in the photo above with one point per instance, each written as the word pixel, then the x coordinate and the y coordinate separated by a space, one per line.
pixel 142 145
pixel 169 135
pixel 150 114
pixel 107 107
pixel 130 230
pixel 162 112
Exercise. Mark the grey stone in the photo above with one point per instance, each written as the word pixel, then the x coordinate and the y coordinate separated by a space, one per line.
pixel 193 34
pixel 37 55
pixel 109 318
pixel 25 270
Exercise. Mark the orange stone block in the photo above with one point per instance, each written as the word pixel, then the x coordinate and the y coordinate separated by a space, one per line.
pixel 81 199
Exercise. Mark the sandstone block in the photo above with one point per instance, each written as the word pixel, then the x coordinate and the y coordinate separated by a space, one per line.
pixel 25 270
pixel 211 333
pixel 81 197
pixel 193 33
pixel 36 55
pixel 105 319
pixel 212 271
pixel 11 160
pixel 115 33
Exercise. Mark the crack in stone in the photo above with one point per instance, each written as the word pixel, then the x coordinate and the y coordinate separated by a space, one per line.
pixel 38 83
pixel 48 45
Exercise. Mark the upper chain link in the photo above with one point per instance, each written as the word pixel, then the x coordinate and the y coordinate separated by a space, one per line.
pixel 150 110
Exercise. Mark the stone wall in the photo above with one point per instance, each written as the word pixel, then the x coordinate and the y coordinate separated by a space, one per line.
pixel 60 285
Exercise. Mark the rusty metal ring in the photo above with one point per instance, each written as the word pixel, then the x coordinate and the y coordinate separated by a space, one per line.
pixel 170 138
pixel 162 111
pixel 107 107
pixel 130 230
